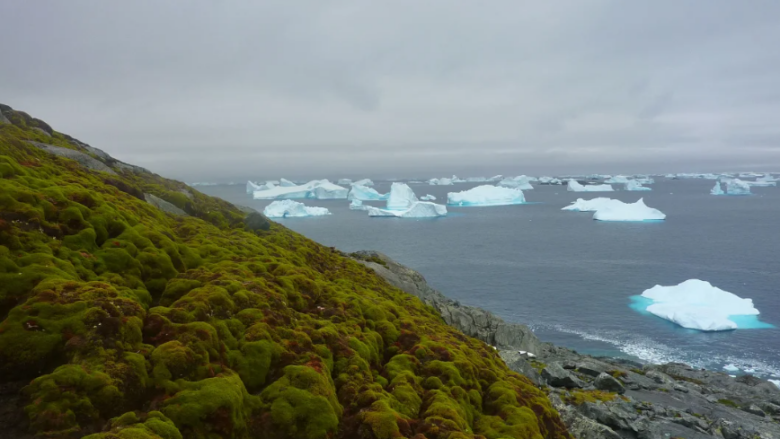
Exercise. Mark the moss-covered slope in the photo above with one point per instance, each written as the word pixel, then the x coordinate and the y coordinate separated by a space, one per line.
pixel 129 322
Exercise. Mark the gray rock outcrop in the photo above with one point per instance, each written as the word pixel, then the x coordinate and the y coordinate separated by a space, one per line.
pixel 608 383
pixel 83 159
pixel 163 205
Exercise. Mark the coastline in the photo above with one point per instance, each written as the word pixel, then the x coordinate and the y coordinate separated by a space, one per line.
pixel 606 397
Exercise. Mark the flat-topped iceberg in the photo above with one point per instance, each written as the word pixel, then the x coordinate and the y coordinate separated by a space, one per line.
pixel 364 182
pixel 633 185
pixel 251 187
pixel 486 195
pixel 357 205
pixel 442 181
pixel 365 193
pixel 419 209
pixel 520 182
pixel 717 189
pixel 575 186
pixel 292 209
pixel 696 304
pixel 737 187
pixel 618 179
pixel 318 189
pixel 620 211
pixel 401 197
pixel 592 205
pixel 428 197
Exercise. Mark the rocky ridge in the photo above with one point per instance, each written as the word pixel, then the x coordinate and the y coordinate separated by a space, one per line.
pixel 607 397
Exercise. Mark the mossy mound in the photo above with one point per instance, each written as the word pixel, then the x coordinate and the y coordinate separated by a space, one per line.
pixel 133 323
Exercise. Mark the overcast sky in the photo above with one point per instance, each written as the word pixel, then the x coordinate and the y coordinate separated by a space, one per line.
pixel 221 90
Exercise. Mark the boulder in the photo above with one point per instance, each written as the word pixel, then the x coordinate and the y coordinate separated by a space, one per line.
pixel 83 159
pixel 163 205
pixel 557 376
pixel 257 221
pixel 608 383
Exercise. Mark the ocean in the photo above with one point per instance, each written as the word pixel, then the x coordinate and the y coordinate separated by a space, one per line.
pixel 571 278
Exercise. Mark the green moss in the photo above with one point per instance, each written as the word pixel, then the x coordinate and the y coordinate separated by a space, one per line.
pixel 729 403
pixel 579 397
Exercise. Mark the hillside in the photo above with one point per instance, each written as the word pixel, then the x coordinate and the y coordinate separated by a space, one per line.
pixel 134 306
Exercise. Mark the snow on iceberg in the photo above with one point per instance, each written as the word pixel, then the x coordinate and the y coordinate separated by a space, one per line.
pixel 365 193
pixel 575 186
pixel 442 181
pixel 762 182
pixel 549 180
pixel 419 209
pixel 292 209
pixel 428 197
pixel 696 304
pixel 717 189
pixel 319 189
pixel 618 179
pixel 593 205
pixel 363 182
pixel 620 211
pixel 486 195
pixel 520 182
pixel 357 205
pixel 251 187
pixel 401 197
pixel 633 185
pixel 283 182
pixel 737 187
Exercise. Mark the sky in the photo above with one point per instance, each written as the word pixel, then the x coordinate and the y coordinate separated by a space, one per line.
pixel 229 90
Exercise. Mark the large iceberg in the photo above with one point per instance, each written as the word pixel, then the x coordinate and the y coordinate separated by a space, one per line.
pixel 618 179
pixel 520 182
pixel 319 189
pixel 717 189
pixel 357 205
pixel 401 197
pixel 696 304
pixel 593 205
pixel 292 209
pixel 251 187
pixel 428 197
pixel 419 209
pixel 737 187
pixel 620 211
pixel 575 186
pixel 283 182
pixel 363 182
pixel 633 185
pixel 486 195
pixel 365 193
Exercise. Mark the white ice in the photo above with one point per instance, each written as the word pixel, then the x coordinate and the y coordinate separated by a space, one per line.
pixel 696 304
pixel 365 193
pixel 730 368
pixel 364 182
pixel 344 182
pixel 618 179
pixel 737 187
pixel 292 209
pixel 428 197
pixel 442 181
pixel 628 212
pixel 762 182
pixel 319 189
pixel 575 186
pixel 283 182
pixel 486 195
pixel 521 182
pixel 775 382
pixel 401 197
pixel 251 187
pixel 717 189
pixel 582 205
pixel 549 180
pixel 633 185
pixel 419 209
pixel 357 205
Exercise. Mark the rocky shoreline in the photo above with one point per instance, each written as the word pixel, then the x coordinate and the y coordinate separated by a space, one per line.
pixel 600 397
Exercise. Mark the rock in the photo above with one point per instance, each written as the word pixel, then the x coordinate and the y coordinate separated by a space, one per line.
pixel 680 388
pixel 772 409
pixel 593 368
pixel 163 205
pixel 519 364
pixel 556 376
pixel 659 377
pixel 257 221
pixel 3 119
pixel 40 130
pixel 755 410
pixel 579 425
pixel 83 159
pixel 608 383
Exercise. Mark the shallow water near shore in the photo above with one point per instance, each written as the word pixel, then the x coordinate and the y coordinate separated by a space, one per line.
pixel 571 278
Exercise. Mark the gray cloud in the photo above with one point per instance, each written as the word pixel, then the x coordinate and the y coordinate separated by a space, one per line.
pixel 228 90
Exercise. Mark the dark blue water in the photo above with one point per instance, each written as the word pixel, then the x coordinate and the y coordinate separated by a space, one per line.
pixel 571 278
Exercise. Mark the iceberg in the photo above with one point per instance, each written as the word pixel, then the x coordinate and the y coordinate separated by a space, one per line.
pixel 593 205
pixel 365 193
pixel 521 182
pixel 442 181
pixel 364 182
pixel 283 182
pixel 762 182
pixel 419 209
pixel 401 197
pixel 696 304
pixel 486 195
pixel 549 180
pixel 357 205
pixel 344 182
pixel 251 187
pixel 737 187
pixel 575 186
pixel 319 189
pixel 775 382
pixel 620 211
pixel 292 209
pixel 618 179
pixel 633 185
pixel 731 368
pixel 717 190
pixel 428 197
